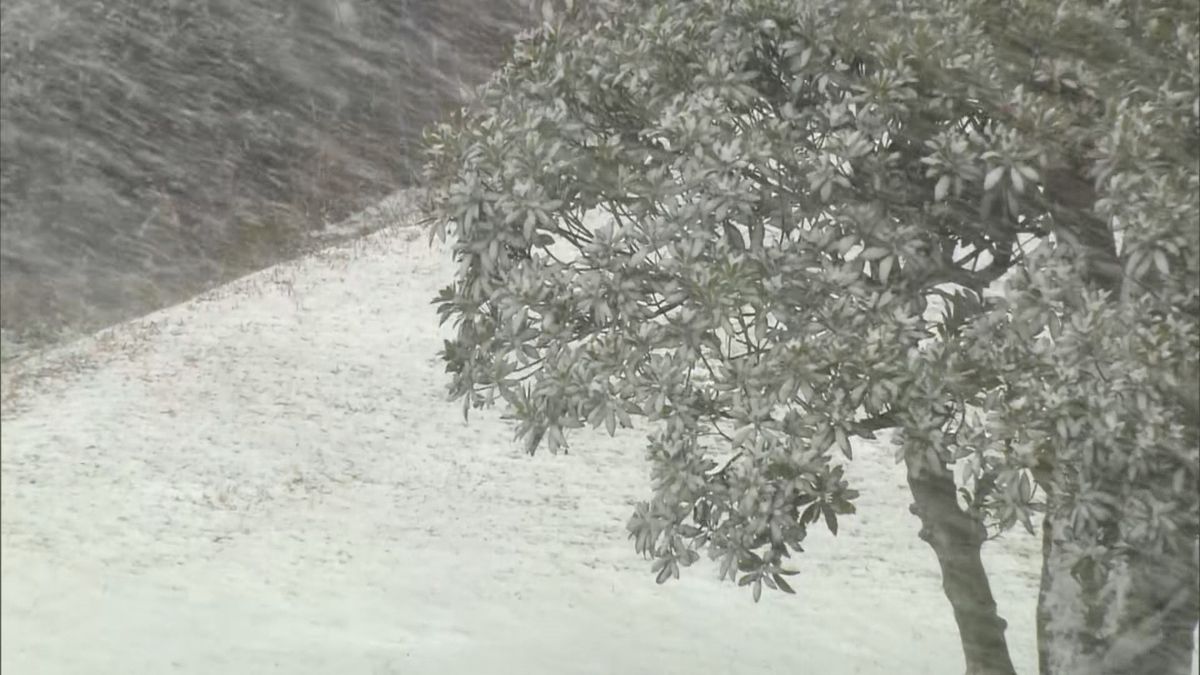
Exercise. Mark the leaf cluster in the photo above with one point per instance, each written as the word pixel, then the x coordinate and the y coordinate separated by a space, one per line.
pixel 768 227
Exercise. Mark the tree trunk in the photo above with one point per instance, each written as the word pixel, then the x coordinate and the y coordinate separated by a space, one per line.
pixel 957 539
pixel 1066 629
pixel 1138 617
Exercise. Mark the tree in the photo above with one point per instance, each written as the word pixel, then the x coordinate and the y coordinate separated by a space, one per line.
pixel 970 221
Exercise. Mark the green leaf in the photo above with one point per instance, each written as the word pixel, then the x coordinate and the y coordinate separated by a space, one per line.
pixel 843 442
pixel 1027 171
pixel 728 569
pixel 993 177
pixel 885 268
pixel 811 514
pixel 663 574
pixel 830 519
pixel 741 435
pixel 942 188
pixel 1018 182
pixel 783 584
pixel 760 327
pixel 734 238
pixel 1025 489
pixel 846 243
pixel 874 253
pixel 1160 262
pixel 534 439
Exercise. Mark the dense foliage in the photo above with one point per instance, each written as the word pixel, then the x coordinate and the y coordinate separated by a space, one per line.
pixel 771 226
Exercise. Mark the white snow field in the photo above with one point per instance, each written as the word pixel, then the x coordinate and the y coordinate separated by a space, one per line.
pixel 269 479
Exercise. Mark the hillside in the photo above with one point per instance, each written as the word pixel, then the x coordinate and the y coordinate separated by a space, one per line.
pixel 267 479
pixel 156 149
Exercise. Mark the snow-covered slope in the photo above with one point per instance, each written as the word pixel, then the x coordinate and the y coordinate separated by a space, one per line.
pixel 268 479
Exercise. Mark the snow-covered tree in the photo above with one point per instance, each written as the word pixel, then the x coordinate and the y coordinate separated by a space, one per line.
pixel 769 227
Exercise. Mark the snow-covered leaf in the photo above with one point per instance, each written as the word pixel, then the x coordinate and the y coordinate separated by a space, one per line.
pixel 993 177
pixel 942 188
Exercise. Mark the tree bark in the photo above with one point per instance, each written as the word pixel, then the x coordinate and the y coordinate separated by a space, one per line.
pixel 1155 632
pixel 1067 631
pixel 957 540
pixel 1139 617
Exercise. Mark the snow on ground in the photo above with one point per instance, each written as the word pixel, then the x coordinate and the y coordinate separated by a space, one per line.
pixel 268 479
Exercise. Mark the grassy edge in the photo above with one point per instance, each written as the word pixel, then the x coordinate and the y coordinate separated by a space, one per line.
pixel 54 366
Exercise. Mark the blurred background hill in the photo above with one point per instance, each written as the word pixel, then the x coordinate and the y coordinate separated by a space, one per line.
pixel 150 149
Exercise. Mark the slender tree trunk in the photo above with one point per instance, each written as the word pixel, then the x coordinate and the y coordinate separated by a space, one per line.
pixel 957 540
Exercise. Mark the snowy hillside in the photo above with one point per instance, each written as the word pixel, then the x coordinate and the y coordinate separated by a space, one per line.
pixel 268 479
